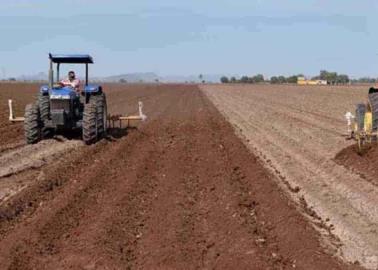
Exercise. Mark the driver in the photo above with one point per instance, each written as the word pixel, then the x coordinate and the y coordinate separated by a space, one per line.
pixel 71 81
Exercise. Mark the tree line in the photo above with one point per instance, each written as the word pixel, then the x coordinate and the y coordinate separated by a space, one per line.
pixel 365 80
pixel 259 78
pixel 330 77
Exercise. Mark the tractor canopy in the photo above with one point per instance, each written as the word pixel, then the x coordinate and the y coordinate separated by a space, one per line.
pixel 59 59
pixel 71 58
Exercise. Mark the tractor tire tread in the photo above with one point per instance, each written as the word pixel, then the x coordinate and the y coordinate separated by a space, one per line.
pixel 32 124
pixel 101 114
pixel 44 109
pixel 90 130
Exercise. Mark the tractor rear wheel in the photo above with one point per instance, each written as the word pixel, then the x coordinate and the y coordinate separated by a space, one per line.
pixel 95 119
pixel 90 122
pixel 44 109
pixel 32 124
pixel 101 114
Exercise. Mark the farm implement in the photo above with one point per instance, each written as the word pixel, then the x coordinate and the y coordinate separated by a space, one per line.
pixel 363 126
pixel 64 108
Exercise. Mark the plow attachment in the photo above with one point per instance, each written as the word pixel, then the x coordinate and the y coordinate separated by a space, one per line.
pixel 12 118
pixel 361 131
pixel 113 119
pixel 363 126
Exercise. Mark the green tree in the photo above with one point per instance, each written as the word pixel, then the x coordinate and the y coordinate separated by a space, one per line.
pixel 330 77
pixel 224 79
pixel 274 80
pixel 292 79
pixel 342 79
pixel 281 79
pixel 244 79
pixel 233 80
pixel 259 78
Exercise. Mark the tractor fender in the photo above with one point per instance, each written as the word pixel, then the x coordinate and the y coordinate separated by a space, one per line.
pixel 44 89
pixel 93 89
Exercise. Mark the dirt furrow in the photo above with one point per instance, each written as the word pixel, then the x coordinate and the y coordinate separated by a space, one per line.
pixel 336 194
pixel 287 120
pixel 341 206
pixel 34 156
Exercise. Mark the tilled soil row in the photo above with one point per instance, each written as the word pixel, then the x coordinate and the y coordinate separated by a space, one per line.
pixel 180 192
pixel 279 126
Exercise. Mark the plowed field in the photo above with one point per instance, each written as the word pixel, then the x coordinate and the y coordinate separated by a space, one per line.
pixel 179 191
pixel 298 132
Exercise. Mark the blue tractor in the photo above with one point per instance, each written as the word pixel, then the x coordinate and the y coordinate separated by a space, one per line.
pixel 62 108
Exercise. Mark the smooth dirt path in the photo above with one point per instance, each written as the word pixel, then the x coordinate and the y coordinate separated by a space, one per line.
pixel 180 192
pixel 298 131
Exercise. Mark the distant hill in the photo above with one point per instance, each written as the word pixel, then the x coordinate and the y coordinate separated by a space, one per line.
pixel 152 77
pixel 132 77
pixel 191 78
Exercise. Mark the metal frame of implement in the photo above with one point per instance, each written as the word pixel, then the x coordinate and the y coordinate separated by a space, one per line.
pixel 111 118
pixel 12 118
pixel 363 135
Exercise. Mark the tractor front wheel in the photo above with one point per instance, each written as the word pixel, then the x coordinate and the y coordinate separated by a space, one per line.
pixel 32 124
pixel 44 110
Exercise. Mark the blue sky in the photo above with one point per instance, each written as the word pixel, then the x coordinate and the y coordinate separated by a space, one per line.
pixel 191 37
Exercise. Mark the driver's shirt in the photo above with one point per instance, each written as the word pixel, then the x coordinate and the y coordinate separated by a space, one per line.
pixel 74 83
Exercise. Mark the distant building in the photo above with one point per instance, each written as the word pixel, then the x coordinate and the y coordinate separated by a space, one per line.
pixel 304 81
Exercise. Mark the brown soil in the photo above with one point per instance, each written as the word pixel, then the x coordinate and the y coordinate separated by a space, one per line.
pixel 364 164
pixel 11 135
pixel 297 131
pixel 179 192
